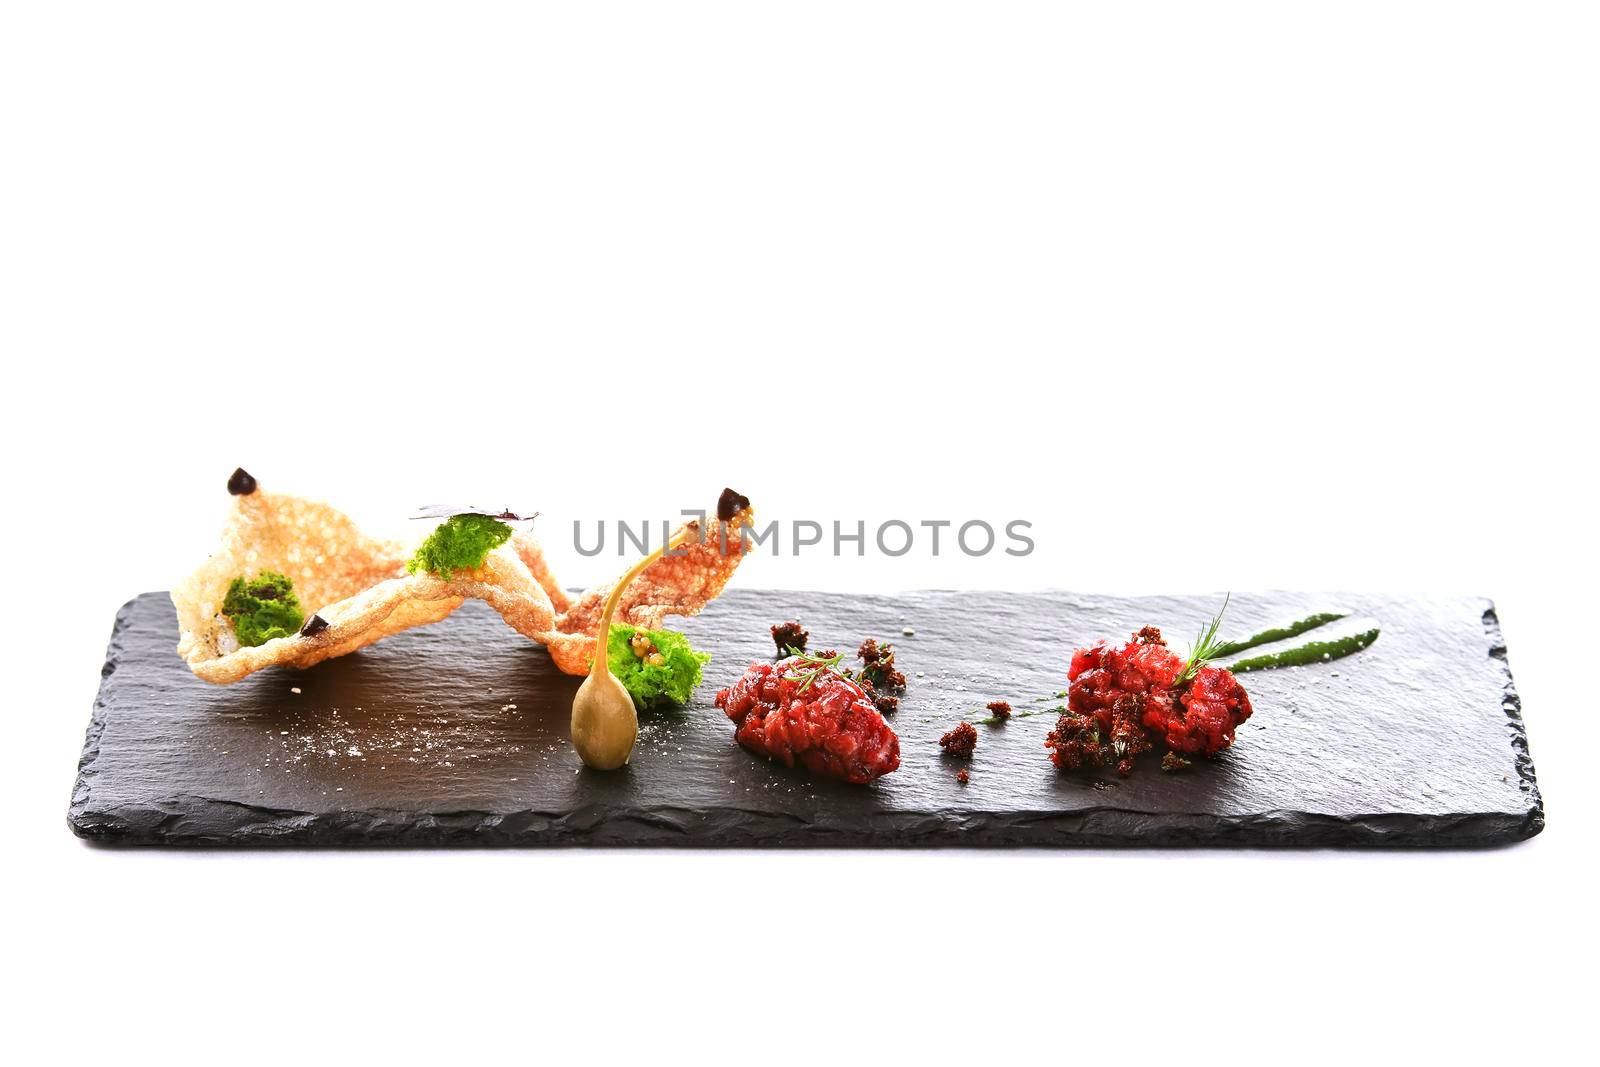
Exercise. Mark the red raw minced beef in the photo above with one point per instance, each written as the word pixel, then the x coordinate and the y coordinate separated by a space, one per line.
pixel 1209 711
pixel 1121 701
pixel 1123 690
pixel 827 725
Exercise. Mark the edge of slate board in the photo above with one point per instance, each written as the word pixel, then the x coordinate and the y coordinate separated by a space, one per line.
pixel 602 825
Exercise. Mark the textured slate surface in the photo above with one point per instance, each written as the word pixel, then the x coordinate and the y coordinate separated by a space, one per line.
pixel 456 735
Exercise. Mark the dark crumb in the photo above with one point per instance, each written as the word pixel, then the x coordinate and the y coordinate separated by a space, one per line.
pixel 884 702
pixel 1128 737
pixel 730 504
pixel 961 741
pixel 1173 762
pixel 314 626
pixel 789 637
pixel 1150 635
pixel 879 665
pixel 1075 743
pixel 999 709
pixel 962 776
pixel 241 482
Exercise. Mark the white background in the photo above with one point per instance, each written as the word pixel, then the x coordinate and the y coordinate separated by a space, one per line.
pixel 1220 296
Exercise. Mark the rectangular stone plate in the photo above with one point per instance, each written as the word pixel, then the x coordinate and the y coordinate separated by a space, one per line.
pixel 456 734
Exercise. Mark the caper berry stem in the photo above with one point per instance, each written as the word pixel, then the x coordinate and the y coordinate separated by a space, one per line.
pixel 604 723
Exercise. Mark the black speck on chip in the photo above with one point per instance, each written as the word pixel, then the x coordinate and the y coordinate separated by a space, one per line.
pixel 314 626
pixel 730 504
pixel 241 482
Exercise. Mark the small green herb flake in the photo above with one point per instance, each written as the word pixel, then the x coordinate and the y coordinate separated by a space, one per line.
pixel 995 720
pixel 460 543
pixel 671 682
pixel 262 608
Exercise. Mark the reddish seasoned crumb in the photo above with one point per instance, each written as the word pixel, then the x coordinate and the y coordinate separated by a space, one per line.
pixel 962 776
pixel 961 741
pixel 886 704
pixel 999 709
pixel 1150 635
pixel 879 666
pixel 1128 738
pixel 789 637
pixel 1076 743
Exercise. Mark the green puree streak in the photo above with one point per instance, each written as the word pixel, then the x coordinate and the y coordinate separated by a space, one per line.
pixel 1294 629
pixel 1314 652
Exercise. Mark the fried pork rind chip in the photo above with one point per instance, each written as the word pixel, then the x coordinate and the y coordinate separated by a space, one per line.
pixel 680 583
pixel 357 584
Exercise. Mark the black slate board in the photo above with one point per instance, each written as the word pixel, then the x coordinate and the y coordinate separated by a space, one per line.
pixel 456 735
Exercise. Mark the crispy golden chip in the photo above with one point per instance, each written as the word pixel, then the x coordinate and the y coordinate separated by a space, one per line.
pixel 680 583
pixel 357 584
pixel 359 587
pixel 532 556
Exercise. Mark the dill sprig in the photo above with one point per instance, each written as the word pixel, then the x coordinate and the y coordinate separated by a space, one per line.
pixel 1206 647
pixel 812 666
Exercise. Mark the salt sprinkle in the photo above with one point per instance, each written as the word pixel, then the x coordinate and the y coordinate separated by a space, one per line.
pixel 295 689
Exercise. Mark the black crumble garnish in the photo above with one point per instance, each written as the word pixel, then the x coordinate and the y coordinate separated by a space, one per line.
pixel 314 626
pixel 241 482
pixel 730 504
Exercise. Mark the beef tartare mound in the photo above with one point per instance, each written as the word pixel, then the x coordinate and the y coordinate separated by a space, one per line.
pixel 1123 701
pixel 796 712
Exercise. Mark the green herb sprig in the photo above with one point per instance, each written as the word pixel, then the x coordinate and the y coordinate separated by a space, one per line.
pixel 1206 647
pixel 812 666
